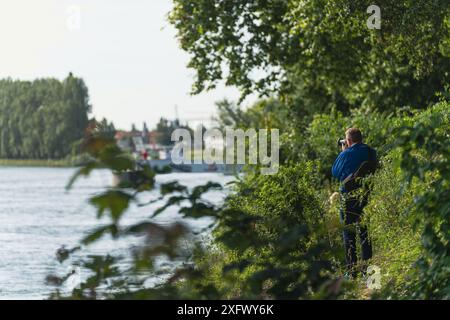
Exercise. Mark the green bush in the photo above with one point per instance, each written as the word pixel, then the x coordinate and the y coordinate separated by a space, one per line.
pixel 289 253
pixel 394 236
pixel 424 146
pixel 278 236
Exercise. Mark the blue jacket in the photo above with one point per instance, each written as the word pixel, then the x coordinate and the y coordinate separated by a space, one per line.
pixel 349 160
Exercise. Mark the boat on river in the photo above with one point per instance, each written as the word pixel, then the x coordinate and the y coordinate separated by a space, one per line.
pixel 161 166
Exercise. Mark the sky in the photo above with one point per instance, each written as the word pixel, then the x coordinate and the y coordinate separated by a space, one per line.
pixel 125 50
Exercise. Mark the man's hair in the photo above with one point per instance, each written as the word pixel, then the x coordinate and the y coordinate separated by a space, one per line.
pixel 354 134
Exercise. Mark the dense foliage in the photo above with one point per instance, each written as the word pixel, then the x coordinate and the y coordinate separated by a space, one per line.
pixel 42 119
pixel 320 53
pixel 164 128
pixel 279 236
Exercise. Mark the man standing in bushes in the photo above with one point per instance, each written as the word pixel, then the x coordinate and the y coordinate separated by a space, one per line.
pixel 356 161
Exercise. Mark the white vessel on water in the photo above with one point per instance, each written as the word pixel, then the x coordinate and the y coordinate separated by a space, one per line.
pixel 159 158
pixel 166 165
pixel 162 164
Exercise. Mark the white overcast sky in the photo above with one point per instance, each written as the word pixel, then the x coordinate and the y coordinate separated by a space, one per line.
pixel 125 50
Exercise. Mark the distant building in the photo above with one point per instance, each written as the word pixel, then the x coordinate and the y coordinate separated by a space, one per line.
pixel 123 140
pixel 138 142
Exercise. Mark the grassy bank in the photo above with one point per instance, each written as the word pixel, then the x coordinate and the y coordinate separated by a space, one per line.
pixel 36 163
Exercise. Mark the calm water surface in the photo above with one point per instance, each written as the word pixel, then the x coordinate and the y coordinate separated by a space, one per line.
pixel 37 216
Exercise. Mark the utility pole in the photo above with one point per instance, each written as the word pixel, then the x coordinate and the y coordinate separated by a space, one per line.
pixel 177 118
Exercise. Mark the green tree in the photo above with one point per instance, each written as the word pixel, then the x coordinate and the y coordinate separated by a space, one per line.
pixel 319 54
pixel 165 127
pixel 43 118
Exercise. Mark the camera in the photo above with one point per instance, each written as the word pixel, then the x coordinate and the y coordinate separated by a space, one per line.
pixel 341 142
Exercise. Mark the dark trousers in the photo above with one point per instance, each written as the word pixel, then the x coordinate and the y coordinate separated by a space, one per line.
pixel 351 214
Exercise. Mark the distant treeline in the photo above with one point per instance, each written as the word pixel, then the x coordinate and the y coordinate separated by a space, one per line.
pixel 42 119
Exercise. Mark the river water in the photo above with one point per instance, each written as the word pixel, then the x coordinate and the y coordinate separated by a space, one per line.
pixel 38 216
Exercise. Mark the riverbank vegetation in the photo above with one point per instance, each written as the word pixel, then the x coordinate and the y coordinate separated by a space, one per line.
pixel 279 236
pixel 42 119
pixel 34 163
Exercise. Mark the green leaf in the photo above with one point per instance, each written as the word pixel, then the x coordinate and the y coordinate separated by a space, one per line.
pixel 172 187
pixel 113 201
pixel 99 232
